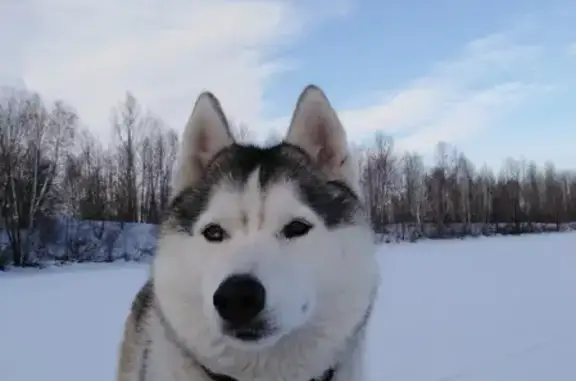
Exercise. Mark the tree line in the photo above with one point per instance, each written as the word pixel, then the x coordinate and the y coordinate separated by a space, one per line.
pixel 52 169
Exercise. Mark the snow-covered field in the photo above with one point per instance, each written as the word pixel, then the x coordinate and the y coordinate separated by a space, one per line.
pixel 486 309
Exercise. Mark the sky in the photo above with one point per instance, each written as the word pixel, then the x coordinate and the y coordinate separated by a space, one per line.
pixel 492 78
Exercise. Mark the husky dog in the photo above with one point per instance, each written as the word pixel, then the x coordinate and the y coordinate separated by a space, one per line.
pixel 265 269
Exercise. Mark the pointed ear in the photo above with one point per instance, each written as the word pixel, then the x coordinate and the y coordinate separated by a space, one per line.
pixel 206 133
pixel 316 129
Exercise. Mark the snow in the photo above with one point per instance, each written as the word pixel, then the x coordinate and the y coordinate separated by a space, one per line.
pixel 479 309
pixel 62 239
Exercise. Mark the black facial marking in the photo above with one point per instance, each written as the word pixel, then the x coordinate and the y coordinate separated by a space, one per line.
pixel 188 205
pixel 333 201
pixel 143 301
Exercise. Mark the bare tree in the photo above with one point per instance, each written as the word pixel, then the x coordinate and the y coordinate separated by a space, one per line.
pixel 65 196
pixel 34 162
pixel 127 125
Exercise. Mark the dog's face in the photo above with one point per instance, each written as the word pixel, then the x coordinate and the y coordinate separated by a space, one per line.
pixel 262 243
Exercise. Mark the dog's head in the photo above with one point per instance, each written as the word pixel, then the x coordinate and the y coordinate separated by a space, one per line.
pixel 262 244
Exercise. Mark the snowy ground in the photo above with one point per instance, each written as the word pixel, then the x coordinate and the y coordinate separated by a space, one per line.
pixel 487 309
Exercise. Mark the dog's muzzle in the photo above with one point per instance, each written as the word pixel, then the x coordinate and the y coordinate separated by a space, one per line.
pixel 240 301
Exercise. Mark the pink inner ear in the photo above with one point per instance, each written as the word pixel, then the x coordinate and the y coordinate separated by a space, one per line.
pixel 325 154
pixel 202 141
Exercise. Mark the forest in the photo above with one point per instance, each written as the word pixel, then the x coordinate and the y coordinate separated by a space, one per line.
pixel 65 196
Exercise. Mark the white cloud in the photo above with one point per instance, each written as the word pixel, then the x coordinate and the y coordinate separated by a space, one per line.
pixel 13 49
pixel 167 51
pixel 455 100
pixel 572 49
pixel 164 51
pixel 463 119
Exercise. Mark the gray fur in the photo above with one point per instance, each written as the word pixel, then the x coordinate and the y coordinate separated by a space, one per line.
pixel 320 286
pixel 333 200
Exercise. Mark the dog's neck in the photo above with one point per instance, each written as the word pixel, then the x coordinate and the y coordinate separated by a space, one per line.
pixel 171 335
pixel 327 376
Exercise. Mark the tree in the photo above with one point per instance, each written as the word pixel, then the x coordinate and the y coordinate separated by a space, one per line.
pixel 64 196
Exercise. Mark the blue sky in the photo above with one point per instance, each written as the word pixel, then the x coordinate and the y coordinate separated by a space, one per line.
pixel 380 47
pixel 495 79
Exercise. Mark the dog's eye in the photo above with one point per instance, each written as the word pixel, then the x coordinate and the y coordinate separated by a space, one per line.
pixel 296 228
pixel 214 233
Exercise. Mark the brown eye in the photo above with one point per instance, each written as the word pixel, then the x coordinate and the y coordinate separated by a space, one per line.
pixel 214 233
pixel 296 228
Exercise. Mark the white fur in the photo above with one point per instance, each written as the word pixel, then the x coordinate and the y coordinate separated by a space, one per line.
pixel 315 127
pixel 332 273
pixel 204 122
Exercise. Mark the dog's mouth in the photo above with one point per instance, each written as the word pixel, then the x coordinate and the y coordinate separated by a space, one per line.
pixel 250 333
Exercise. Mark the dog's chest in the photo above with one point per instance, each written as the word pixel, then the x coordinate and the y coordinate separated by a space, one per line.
pixel 166 363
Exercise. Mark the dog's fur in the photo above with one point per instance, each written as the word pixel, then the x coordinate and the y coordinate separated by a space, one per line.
pixel 319 286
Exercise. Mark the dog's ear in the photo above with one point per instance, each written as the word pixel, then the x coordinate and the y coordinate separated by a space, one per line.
pixel 206 133
pixel 316 129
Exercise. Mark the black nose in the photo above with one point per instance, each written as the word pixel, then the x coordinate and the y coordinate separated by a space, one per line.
pixel 239 299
